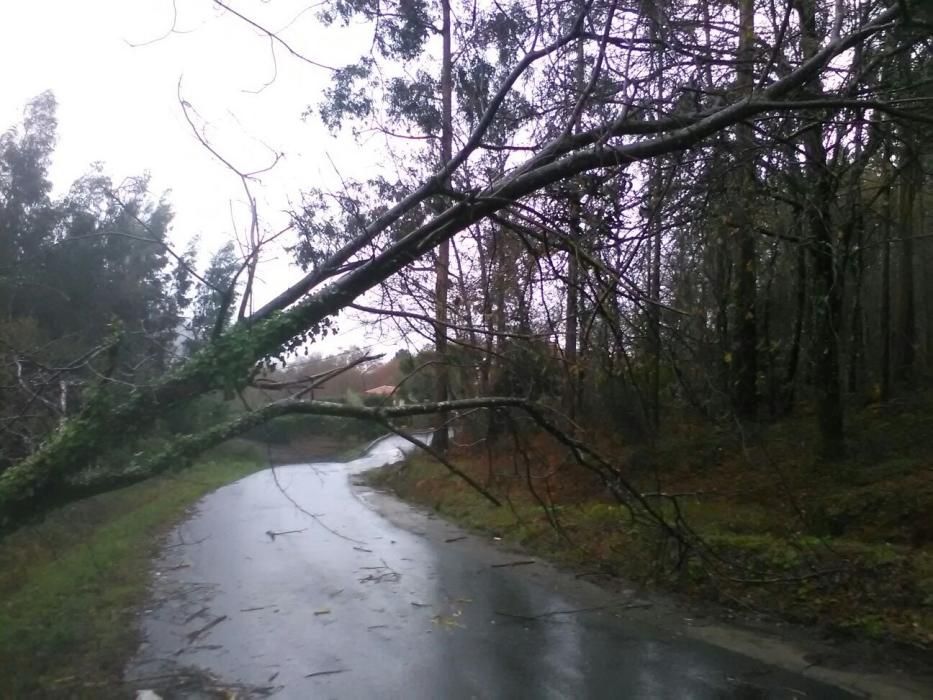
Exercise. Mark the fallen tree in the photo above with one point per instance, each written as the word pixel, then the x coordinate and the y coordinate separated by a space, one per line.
pixel 184 449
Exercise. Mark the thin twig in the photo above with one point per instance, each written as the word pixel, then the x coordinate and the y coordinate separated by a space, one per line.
pixel 522 562
pixel 327 673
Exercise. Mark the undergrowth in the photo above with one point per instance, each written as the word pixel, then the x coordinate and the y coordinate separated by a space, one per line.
pixel 846 545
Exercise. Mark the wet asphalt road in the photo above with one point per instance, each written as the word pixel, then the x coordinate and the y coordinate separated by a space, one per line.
pixel 364 597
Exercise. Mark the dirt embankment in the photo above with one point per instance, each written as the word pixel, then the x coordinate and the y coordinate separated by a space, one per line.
pixel 844 551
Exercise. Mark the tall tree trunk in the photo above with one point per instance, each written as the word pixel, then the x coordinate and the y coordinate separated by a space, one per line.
pixel 885 311
pixel 442 372
pixel 906 307
pixel 766 316
pixel 857 236
pixel 793 361
pixel 827 315
pixel 489 286
pixel 827 283
pixel 723 262
pixel 654 304
pixel 654 231
pixel 571 361
pixel 745 343
pixel 857 335
pixel 926 286
pixel 572 324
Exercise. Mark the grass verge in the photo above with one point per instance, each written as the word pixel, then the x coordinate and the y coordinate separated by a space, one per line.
pixel 71 585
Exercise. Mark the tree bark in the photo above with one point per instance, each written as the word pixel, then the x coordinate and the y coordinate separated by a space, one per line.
pixel 788 388
pixel 827 282
pixel 442 267
pixel 571 361
pixel 654 312
pixel 885 312
pixel 906 306
pixel 745 350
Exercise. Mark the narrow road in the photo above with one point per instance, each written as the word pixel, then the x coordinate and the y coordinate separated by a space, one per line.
pixel 296 584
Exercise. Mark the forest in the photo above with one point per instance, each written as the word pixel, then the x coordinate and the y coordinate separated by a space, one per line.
pixel 639 254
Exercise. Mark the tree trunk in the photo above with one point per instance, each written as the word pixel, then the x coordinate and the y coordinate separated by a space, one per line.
pixel 885 312
pixel 827 283
pixel 654 308
pixel 571 361
pixel 827 314
pixel 745 343
pixel 441 285
pixel 572 323
pixel 793 362
pixel 906 307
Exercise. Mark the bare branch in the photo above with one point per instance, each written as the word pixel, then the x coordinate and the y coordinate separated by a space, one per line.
pixel 273 36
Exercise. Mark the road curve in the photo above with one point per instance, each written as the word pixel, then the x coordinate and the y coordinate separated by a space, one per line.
pixel 291 583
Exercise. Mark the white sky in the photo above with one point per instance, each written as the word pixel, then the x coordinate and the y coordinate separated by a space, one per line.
pixel 118 104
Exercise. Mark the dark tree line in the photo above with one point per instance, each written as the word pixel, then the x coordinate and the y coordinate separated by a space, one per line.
pixel 91 293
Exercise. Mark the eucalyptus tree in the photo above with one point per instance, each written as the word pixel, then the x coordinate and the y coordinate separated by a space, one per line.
pixel 403 33
pixel 86 282
pixel 212 306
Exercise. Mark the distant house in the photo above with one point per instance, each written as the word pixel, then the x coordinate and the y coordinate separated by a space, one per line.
pixel 387 391
pixel 384 390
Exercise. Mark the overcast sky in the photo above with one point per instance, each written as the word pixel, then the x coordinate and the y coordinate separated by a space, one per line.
pixel 118 103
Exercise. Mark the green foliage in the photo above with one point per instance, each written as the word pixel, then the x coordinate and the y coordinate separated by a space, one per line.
pixel 345 96
pixel 415 99
pixel 85 284
pixel 404 24
pixel 198 415
pixel 213 305
pixel 419 385
pixel 532 369
pixel 896 510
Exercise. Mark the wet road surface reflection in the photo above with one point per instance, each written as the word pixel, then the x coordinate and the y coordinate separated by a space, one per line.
pixel 292 583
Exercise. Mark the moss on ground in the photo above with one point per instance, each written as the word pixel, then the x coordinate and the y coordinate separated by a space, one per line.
pixel 71 585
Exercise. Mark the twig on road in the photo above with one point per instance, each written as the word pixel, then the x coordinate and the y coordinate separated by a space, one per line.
pixel 190 618
pixel 388 574
pixel 327 673
pixel 182 543
pixel 313 516
pixel 273 533
pixel 521 562
pixel 553 613
pixel 209 626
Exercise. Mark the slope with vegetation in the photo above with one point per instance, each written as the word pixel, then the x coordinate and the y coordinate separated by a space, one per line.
pixel 848 548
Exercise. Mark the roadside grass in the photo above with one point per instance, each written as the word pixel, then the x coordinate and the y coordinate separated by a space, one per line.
pixel 847 546
pixel 70 586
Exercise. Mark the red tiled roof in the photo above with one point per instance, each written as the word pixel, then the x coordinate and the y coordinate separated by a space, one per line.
pixel 383 390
